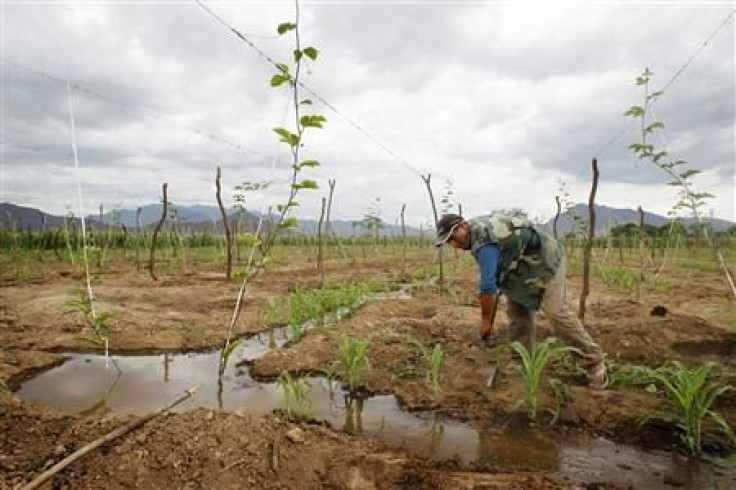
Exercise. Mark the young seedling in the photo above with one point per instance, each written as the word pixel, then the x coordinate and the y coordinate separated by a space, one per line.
pixel 692 397
pixel 353 359
pixel 228 351
pixel 682 178
pixel 533 365
pixel 295 391
pixel 557 387
pixel 98 322
pixel 435 360
pixel 288 76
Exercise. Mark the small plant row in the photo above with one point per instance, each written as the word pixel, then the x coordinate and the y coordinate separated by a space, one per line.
pixel 691 395
pixel 310 304
pixel 690 392
pixel 349 367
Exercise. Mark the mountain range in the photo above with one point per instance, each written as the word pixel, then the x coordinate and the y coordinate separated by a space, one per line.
pixel 203 217
pixel 196 218
pixel 607 217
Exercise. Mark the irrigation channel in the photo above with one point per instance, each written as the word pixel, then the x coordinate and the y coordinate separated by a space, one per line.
pixel 84 385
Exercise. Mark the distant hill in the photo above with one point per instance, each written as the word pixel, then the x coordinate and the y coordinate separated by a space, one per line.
pixel 607 218
pixel 202 217
pixel 21 217
pixel 195 218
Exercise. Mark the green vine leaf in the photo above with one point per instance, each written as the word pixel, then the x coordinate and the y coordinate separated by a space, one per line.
pixel 306 102
pixel 308 163
pixel 285 27
pixel 635 111
pixel 287 136
pixel 249 240
pixel 306 184
pixel 654 126
pixel 658 156
pixel 689 173
pixel 298 55
pixel 278 80
pixel 313 121
pixel 311 53
pixel 282 207
pixel 702 195
pixel 288 223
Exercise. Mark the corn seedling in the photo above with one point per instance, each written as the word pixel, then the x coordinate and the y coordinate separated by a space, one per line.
pixel 557 388
pixel 227 351
pixel 272 311
pixel 295 391
pixel 692 397
pixel 353 359
pixel 435 360
pixel 630 375
pixel 533 365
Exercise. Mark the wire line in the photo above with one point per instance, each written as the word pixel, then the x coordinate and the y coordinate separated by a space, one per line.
pixel 314 94
pixel 130 106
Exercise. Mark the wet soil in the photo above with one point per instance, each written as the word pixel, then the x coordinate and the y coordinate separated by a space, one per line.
pixel 229 449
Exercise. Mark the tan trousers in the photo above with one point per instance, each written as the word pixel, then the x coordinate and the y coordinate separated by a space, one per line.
pixel 565 324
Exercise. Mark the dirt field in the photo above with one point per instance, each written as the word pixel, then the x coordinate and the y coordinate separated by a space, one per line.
pixel 230 449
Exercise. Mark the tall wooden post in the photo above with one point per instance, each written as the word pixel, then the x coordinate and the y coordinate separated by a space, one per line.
pixel 427 181
pixel 589 242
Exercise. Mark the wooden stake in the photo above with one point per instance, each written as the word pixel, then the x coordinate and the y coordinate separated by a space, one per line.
pixel 557 216
pixel 320 245
pixel 427 180
pixel 152 260
pixel 403 240
pixel 589 242
pixel 226 225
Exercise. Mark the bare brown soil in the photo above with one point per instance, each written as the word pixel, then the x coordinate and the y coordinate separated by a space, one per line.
pixel 204 449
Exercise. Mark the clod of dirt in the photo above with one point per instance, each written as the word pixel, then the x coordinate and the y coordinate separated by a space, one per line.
pixel 658 311
pixel 295 435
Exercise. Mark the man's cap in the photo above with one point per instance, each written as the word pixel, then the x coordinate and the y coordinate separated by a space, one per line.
pixel 445 226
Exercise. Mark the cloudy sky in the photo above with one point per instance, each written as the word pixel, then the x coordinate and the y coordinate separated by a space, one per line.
pixel 498 101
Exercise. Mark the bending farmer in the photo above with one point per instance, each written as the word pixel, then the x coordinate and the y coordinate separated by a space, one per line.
pixel 528 265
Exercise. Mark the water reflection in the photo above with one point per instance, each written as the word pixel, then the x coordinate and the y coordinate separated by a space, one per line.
pixel 83 385
pixel 353 414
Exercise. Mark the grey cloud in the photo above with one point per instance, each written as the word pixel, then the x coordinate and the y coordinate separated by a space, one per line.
pixel 457 90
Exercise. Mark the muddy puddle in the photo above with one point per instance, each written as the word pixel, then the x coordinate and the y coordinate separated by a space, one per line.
pixel 85 385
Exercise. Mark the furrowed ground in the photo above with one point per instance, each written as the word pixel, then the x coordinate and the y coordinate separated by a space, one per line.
pixel 190 310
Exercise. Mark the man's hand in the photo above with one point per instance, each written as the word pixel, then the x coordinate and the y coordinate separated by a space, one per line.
pixel 488 303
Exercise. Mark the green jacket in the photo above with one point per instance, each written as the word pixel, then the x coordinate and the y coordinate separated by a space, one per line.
pixel 528 260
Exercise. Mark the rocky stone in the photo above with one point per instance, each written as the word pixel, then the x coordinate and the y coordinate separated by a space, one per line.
pixel 295 435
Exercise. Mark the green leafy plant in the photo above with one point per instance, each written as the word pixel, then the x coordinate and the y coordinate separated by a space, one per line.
pixel 692 397
pixel 434 359
pixel 295 391
pixel 287 76
pixel 353 359
pixel 316 304
pixel 270 317
pixel 681 178
pixel 533 365
pixel 97 321
pixel 557 388
pixel 228 350
pixel 618 277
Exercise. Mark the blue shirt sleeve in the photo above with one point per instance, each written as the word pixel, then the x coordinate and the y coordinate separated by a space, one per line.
pixel 487 258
